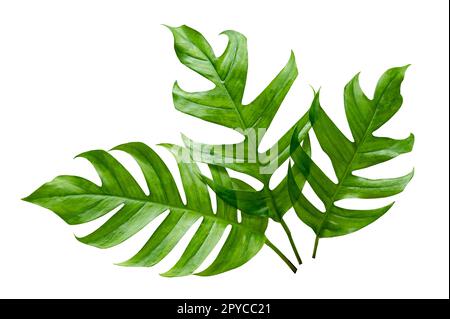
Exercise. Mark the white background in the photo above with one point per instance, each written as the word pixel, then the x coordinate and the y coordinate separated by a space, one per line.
pixel 81 75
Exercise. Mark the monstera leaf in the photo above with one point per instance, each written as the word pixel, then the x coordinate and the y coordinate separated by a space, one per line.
pixel 77 201
pixel 364 116
pixel 223 105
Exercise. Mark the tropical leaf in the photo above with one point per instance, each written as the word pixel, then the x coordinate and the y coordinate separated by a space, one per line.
pixel 364 116
pixel 223 105
pixel 78 201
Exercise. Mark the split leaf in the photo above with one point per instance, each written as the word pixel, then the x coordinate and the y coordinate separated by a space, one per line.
pixel 223 105
pixel 364 116
pixel 78 201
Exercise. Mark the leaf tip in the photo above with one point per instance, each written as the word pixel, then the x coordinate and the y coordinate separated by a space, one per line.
pixel 204 273
pixel 121 264
pixel 230 32
pixel 81 155
pixel 172 28
pixel 402 69
pixel 406 66
pixel 398 71
pixel 171 274
pixel 166 145
pixel 119 147
pixel 27 198
pixel 292 64
pixel 313 89
pixel 32 197
pixel 315 107
pixel 84 240
pixel 125 147
pixel 167 26
pixel 292 55
pixel 126 263
pixel 411 174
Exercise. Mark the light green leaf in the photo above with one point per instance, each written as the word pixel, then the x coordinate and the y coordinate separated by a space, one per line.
pixel 223 105
pixel 364 116
pixel 77 201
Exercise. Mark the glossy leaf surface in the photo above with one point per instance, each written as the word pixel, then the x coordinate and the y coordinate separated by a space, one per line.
pixel 77 201
pixel 364 116
pixel 223 105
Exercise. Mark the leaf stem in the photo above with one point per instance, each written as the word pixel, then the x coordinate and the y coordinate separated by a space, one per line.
pixel 280 218
pixel 316 244
pixel 291 241
pixel 282 256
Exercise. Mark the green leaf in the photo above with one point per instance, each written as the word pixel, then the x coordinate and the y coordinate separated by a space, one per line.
pixel 223 105
pixel 364 116
pixel 77 201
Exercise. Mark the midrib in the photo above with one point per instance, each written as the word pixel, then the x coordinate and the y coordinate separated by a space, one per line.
pixel 223 86
pixel 167 207
pixel 348 168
